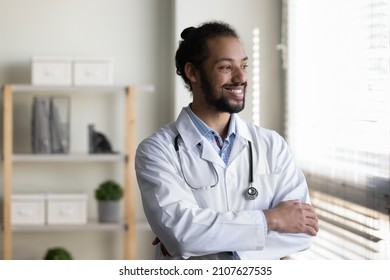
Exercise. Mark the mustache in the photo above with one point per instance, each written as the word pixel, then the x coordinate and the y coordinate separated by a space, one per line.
pixel 236 84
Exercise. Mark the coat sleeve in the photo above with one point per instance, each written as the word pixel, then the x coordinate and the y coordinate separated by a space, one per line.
pixel 291 184
pixel 184 228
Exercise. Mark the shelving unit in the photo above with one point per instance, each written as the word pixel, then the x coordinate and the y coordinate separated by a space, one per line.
pixel 127 158
pixel 91 226
pixel 69 158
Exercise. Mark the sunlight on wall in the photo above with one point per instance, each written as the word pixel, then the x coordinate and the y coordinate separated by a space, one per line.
pixel 256 77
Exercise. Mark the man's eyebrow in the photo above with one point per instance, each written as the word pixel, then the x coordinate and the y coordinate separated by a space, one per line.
pixel 230 59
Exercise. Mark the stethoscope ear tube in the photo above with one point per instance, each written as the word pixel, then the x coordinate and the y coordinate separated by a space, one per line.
pixel 250 163
pixel 176 142
pixel 251 193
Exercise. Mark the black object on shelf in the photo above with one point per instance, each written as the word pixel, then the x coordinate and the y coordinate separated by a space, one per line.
pixel 98 142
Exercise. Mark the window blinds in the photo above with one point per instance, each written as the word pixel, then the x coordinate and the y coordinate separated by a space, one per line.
pixel 339 88
pixel 338 101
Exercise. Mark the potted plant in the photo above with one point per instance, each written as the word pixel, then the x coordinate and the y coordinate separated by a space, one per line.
pixel 108 195
pixel 57 253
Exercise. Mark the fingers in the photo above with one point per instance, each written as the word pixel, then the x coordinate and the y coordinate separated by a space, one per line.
pixel 311 220
pixel 309 211
pixel 311 231
pixel 312 226
pixel 293 217
pixel 156 241
pixel 164 251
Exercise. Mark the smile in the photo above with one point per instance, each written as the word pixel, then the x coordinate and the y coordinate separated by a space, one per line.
pixel 235 92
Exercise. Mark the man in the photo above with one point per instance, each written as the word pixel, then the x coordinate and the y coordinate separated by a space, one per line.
pixel 212 185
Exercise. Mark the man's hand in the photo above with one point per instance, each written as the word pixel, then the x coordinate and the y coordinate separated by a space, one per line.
pixel 162 247
pixel 292 217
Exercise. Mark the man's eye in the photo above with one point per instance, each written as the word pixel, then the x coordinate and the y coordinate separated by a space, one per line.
pixel 245 66
pixel 225 67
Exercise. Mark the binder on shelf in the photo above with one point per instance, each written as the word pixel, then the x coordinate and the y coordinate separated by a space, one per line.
pixel 50 125
pixel 58 124
pixel 34 127
pixel 41 130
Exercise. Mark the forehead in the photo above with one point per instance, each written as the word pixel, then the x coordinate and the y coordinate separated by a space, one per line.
pixel 225 48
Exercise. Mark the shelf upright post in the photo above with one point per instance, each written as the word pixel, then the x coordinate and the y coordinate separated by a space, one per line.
pixel 129 173
pixel 7 170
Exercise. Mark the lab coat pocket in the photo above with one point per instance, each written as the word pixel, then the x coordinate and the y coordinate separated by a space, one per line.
pixel 266 186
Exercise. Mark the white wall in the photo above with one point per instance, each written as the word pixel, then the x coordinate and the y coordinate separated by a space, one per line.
pixel 142 37
pixel 245 16
pixel 136 34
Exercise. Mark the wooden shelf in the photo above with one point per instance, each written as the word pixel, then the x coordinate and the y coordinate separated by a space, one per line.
pixel 91 226
pixel 68 158
pixel 28 88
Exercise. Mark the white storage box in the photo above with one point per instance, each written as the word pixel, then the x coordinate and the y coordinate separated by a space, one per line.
pixel 51 71
pixel 92 71
pixel 66 209
pixel 28 209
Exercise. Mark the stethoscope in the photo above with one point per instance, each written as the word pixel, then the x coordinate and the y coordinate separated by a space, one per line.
pixel 250 193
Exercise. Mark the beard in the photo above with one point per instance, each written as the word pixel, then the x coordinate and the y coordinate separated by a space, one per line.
pixel 221 103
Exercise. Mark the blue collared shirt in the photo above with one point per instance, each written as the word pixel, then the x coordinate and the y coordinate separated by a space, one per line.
pixel 223 148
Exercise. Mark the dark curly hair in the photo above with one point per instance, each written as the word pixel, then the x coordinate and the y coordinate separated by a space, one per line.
pixel 193 47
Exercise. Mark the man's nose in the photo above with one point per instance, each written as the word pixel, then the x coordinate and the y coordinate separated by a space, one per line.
pixel 239 75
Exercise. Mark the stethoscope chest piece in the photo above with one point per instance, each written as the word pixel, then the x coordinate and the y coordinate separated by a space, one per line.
pixel 251 193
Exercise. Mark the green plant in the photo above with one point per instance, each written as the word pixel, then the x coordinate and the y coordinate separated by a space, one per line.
pixel 58 253
pixel 109 190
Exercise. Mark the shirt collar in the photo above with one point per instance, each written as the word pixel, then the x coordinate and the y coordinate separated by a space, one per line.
pixel 204 129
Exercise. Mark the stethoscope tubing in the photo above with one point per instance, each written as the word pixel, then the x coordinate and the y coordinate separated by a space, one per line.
pixel 182 170
pixel 251 193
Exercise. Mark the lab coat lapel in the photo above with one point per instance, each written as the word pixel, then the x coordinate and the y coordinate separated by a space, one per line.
pixel 242 137
pixel 187 130
pixel 191 138
pixel 239 145
pixel 209 154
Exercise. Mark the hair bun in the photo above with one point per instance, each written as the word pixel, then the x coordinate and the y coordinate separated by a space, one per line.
pixel 186 32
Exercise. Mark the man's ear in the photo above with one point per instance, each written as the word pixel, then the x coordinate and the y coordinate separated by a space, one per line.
pixel 191 72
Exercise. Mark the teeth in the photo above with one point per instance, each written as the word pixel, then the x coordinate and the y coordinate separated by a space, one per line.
pixel 235 90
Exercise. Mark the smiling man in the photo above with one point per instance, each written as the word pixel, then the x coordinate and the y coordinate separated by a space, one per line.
pixel 219 84
pixel 214 186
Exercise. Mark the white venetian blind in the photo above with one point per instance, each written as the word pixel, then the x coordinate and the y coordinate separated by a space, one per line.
pixel 338 112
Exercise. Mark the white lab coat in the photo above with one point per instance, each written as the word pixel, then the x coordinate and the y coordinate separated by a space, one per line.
pixel 203 223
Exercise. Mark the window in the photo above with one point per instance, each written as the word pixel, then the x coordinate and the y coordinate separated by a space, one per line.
pixel 337 62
